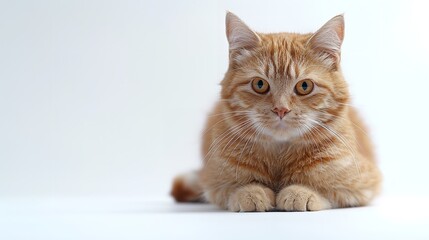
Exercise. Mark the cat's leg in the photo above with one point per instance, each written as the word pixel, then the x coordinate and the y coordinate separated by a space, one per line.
pixel 252 197
pixel 334 190
pixel 301 198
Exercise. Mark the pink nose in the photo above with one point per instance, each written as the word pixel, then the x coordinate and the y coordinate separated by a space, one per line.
pixel 281 112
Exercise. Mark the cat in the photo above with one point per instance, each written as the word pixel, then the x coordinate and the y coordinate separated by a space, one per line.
pixel 283 136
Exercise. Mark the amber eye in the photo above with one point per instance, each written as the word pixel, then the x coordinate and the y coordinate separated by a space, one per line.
pixel 304 87
pixel 260 85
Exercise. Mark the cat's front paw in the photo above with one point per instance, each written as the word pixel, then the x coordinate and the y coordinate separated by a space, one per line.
pixel 252 198
pixel 300 198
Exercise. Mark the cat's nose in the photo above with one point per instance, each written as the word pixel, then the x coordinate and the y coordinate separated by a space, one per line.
pixel 281 112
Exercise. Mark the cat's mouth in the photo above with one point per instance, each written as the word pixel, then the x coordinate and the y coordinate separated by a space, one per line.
pixel 282 130
pixel 280 125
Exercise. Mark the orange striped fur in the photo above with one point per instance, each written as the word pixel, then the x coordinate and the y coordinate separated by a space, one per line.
pixel 316 157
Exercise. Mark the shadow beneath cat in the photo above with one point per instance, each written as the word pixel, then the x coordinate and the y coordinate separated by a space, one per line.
pixel 197 207
pixel 156 208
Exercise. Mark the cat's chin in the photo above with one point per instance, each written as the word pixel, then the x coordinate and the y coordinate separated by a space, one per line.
pixel 283 137
pixel 282 133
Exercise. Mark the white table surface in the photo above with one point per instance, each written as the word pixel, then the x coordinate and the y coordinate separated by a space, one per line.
pixel 161 218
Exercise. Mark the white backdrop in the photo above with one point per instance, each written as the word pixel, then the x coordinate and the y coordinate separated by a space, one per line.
pixel 109 97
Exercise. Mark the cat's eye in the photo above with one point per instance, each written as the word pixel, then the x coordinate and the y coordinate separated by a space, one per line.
pixel 260 86
pixel 304 87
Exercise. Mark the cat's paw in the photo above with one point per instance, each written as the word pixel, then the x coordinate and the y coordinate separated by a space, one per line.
pixel 252 198
pixel 300 198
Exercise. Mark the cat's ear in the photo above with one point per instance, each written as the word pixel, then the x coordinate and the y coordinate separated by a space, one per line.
pixel 326 42
pixel 239 35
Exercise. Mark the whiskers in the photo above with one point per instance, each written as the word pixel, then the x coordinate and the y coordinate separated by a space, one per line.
pixel 343 139
pixel 239 131
pixel 227 134
pixel 236 141
pixel 333 116
pixel 227 116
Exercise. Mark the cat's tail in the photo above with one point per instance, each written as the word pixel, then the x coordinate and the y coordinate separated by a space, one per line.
pixel 187 188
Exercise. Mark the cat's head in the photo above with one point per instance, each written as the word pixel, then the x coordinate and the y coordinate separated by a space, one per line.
pixel 284 84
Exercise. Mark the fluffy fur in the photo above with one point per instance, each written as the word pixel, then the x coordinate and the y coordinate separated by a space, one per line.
pixel 316 157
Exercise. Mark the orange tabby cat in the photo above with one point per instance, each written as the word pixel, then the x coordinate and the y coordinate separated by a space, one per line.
pixel 283 135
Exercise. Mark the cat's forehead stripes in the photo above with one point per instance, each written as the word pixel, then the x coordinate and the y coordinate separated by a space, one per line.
pixel 282 55
pixel 279 56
